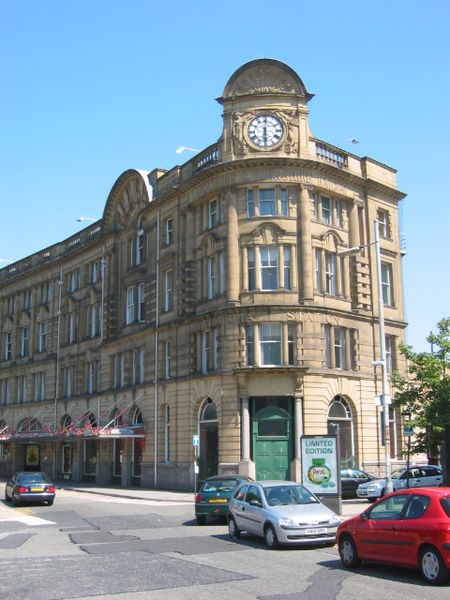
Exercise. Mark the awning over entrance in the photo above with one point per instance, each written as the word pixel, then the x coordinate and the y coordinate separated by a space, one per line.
pixel 120 432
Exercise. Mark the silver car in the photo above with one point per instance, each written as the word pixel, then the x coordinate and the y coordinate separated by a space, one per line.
pixel 418 476
pixel 282 512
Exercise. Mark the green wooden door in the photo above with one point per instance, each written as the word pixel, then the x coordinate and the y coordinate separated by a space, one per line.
pixel 272 443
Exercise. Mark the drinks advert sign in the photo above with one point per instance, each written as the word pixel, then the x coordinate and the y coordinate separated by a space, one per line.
pixel 320 464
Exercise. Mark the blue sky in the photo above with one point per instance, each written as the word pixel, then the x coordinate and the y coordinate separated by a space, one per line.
pixel 92 88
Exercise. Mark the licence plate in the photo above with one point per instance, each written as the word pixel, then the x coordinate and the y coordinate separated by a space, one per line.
pixel 218 500
pixel 37 489
pixel 315 531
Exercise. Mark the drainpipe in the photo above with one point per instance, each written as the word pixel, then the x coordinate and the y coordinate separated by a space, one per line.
pixel 155 382
pixel 60 283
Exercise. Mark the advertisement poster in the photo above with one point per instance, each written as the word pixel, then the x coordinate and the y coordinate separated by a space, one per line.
pixel 320 463
pixel 32 455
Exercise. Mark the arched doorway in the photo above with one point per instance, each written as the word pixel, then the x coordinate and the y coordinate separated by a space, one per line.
pixel 340 423
pixel 208 460
pixel 272 448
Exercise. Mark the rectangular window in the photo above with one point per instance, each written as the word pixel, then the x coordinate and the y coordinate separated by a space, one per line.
pixel 39 386
pixel 339 348
pixel 269 267
pixel 291 344
pixel 42 336
pixel 167 360
pixel 25 339
pixel 250 204
pixel 211 277
pixel 70 381
pixel 169 231
pixel 319 270
pixel 212 215
pixel 94 272
pixel 18 389
pixel 130 305
pixel 167 434
pixel 11 305
pixel 316 207
pixel 91 377
pixel 327 330
pixel 141 302
pixel 250 345
pixel 215 348
pixel 8 345
pixel 28 300
pixel 287 267
pixel 70 330
pixel 267 202
pixel 386 284
pixel 326 210
pixel 140 240
pixel 284 202
pixel 141 366
pixel 330 273
pixel 338 205
pixel 383 224
pixel 122 370
pixel 221 274
pixel 270 342
pixel 251 268
pixel 390 353
pixel 93 321
pixel 205 351
pixel 168 300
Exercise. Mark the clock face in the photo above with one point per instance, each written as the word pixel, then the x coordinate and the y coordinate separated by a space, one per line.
pixel 265 131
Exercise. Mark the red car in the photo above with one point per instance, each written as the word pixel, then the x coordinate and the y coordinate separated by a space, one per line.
pixel 409 528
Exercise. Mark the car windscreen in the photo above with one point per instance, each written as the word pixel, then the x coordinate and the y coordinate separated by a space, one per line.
pixel 220 485
pixel 33 478
pixel 288 494
pixel 445 503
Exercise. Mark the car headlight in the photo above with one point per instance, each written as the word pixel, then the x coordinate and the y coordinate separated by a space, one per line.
pixel 284 522
pixel 334 520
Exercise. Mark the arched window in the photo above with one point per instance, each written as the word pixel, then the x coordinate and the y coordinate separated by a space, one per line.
pixel 30 424
pixel 136 418
pixel 66 423
pixel 340 423
pixel 209 440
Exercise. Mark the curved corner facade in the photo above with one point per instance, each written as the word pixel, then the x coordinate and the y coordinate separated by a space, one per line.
pixel 215 300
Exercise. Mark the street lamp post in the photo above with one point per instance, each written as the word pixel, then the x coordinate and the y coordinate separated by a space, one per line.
pixel 384 384
pixel 382 362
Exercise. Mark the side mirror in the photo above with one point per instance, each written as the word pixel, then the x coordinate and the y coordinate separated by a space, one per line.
pixel 255 503
pixel 364 516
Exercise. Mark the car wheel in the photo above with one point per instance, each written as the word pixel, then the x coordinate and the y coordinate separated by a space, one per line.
pixel 348 553
pixel 371 500
pixel 233 529
pixel 14 500
pixel 432 566
pixel 201 519
pixel 50 502
pixel 270 537
pixel 6 496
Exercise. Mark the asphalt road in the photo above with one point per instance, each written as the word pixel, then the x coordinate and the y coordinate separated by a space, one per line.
pixel 90 546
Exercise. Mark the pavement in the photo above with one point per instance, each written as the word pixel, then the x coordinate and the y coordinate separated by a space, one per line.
pixel 349 508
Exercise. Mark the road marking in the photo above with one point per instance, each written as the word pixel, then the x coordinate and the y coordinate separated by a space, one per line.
pixel 28 520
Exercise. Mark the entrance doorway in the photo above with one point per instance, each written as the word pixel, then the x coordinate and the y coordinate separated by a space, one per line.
pixel 208 460
pixel 272 439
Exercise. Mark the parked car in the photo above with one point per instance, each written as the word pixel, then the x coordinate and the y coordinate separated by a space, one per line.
pixel 282 512
pixel 351 479
pixel 29 486
pixel 418 477
pixel 214 494
pixel 410 528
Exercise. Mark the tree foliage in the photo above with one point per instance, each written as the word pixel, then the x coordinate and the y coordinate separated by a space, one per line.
pixel 424 392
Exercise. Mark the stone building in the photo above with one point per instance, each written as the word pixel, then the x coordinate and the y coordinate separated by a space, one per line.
pixel 213 299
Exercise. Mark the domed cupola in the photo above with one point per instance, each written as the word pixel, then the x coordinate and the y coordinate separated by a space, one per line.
pixel 265 111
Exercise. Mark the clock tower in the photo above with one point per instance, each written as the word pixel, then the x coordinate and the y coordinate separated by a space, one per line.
pixel 265 111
